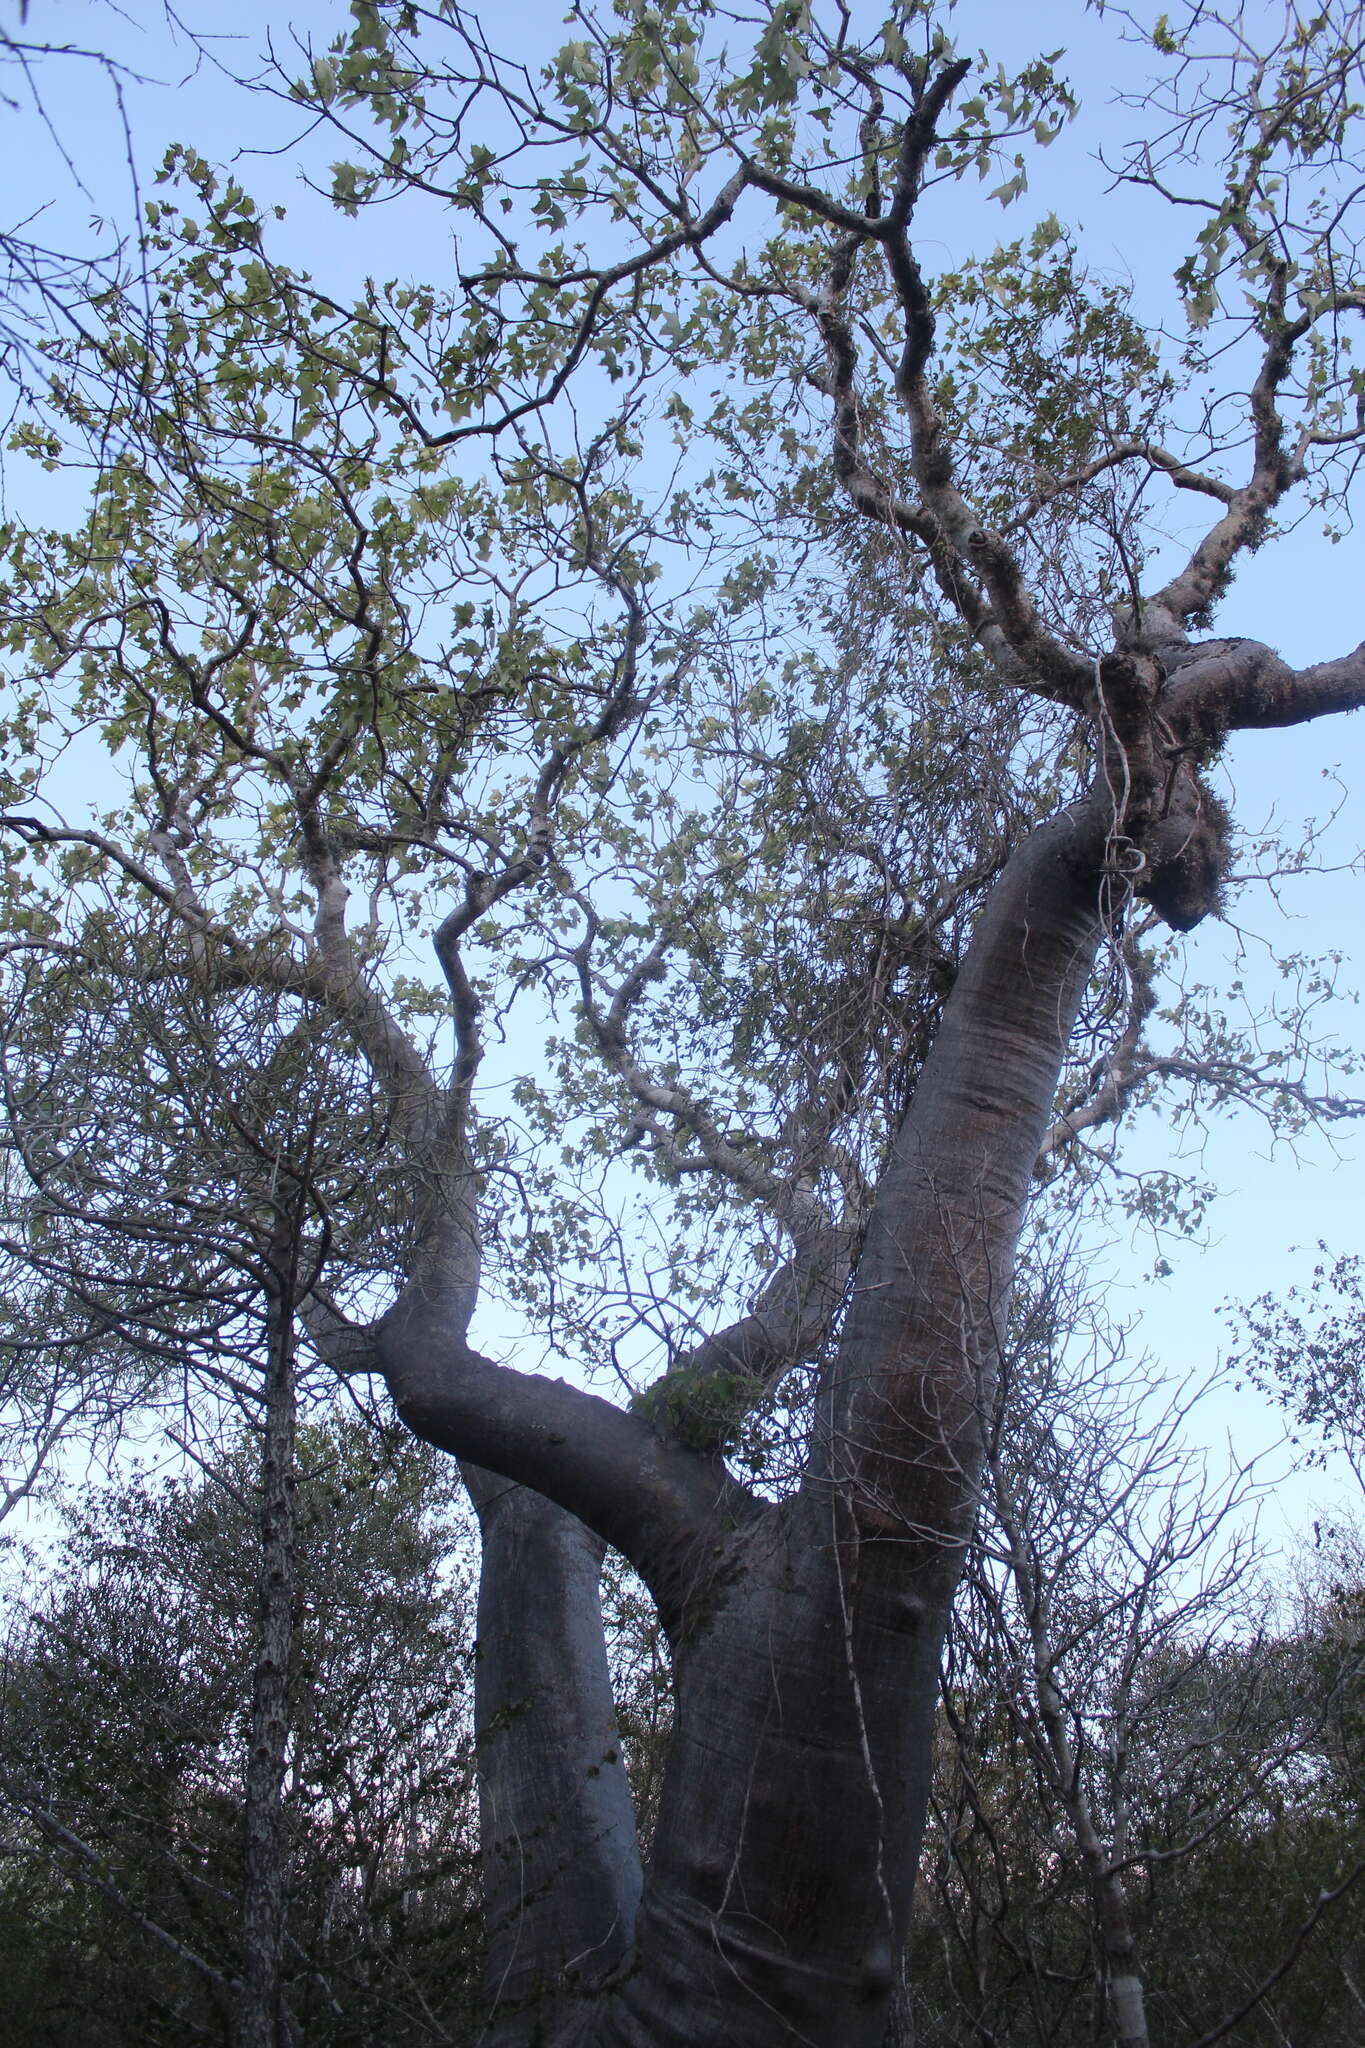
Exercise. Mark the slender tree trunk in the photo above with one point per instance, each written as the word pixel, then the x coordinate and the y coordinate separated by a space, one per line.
pixel 1118 1946
pixel 1056 1755
pixel 1127 2001
pixel 260 2018
pixel 560 1860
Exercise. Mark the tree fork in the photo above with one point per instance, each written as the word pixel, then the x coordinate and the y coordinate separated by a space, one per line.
pixel 807 1672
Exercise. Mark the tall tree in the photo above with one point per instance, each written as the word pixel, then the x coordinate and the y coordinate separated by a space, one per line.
pixel 820 744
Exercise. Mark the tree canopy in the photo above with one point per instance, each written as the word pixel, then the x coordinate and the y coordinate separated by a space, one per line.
pixel 651 770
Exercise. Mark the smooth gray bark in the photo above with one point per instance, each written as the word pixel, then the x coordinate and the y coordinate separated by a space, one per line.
pixel 798 1779
pixel 561 1861
pixel 1129 2008
pixel 807 1637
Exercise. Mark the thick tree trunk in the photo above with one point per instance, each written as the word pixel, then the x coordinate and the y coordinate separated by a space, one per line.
pixel 259 2016
pixel 799 1773
pixel 807 1637
pixel 561 1862
pixel 791 1811
pixel 1130 2010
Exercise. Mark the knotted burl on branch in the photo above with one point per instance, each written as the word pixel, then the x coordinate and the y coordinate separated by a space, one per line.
pixel 1171 835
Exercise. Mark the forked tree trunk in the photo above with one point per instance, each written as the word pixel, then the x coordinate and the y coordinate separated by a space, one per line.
pixel 806 1636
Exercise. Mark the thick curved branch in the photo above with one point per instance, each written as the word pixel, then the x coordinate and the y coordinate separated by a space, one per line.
pixel 37 832
pixel 658 1503
pixel 1050 669
pixel 335 979
pixel 430 1120
pixel 975 569
pixel 347 1348
pixel 910 1389
pixel 1236 685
